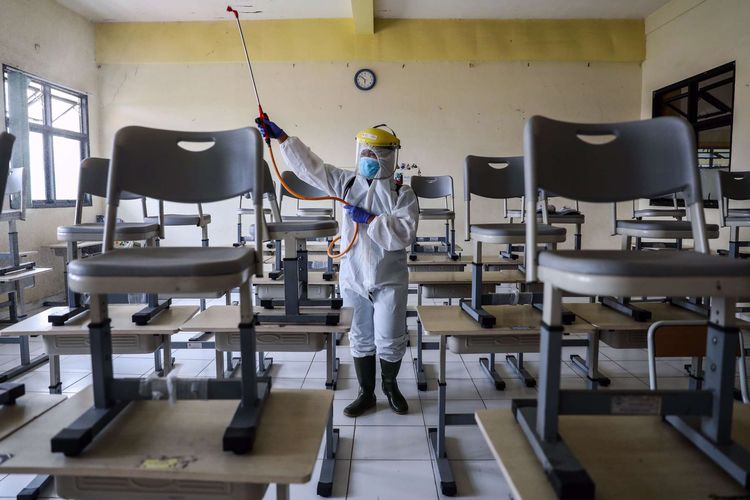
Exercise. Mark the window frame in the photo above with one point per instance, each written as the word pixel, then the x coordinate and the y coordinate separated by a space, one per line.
pixel 48 133
pixel 693 97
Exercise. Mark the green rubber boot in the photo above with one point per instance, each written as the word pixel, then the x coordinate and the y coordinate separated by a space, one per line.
pixel 396 400
pixel 365 368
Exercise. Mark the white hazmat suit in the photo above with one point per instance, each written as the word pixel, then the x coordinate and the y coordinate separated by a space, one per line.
pixel 374 277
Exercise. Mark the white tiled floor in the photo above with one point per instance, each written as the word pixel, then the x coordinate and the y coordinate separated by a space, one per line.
pixel 381 455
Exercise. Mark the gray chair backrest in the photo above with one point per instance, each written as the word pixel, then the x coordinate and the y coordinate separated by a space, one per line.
pixel 732 186
pixel 299 186
pixel 14 189
pixel 439 186
pixel 92 180
pixel 605 163
pixel 6 150
pixel 735 185
pixel 177 166
pixel 482 179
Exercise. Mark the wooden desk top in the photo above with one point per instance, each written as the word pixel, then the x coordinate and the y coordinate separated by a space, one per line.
pixel 511 320
pixel 604 318
pixel 627 457
pixel 464 277
pixel 19 275
pixel 166 322
pixel 27 408
pixel 159 440
pixel 313 278
pixel 224 319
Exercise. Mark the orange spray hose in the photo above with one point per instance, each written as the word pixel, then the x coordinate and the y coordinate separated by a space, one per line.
pixel 262 116
pixel 329 250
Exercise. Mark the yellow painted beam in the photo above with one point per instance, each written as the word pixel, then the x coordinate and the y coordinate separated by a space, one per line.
pixel 363 13
pixel 619 40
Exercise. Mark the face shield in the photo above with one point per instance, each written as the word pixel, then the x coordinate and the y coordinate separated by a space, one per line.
pixel 377 153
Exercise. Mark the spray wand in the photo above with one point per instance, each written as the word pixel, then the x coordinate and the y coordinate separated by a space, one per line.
pixel 262 116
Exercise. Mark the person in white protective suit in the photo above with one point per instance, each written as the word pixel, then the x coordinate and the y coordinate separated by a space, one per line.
pixel 374 276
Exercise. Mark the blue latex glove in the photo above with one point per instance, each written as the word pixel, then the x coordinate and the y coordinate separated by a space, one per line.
pixel 359 215
pixel 274 131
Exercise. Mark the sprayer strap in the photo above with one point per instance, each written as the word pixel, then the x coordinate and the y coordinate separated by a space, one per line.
pixel 348 186
pixel 350 183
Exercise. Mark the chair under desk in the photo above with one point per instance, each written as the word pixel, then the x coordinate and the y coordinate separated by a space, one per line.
pixel 274 337
pixel 516 330
pixel 127 337
pixel 154 449
pixel 450 285
pixel 457 285
pixel 633 457
pixel 442 263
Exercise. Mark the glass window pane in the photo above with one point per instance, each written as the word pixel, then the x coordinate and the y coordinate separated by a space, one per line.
pixel 36 160
pixel 36 103
pixel 5 86
pixel 66 111
pixel 67 158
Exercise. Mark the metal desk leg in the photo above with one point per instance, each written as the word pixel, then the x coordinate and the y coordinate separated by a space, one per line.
pixel 27 363
pixel 590 367
pixel 488 365
pixel 231 366
pixel 327 468
pixel 282 491
pixel 437 435
pixel 32 490
pixel 219 365
pixel 517 365
pixel 166 345
pixel 264 364
pixel 332 363
pixel 158 366
pixel 55 384
pixel 418 362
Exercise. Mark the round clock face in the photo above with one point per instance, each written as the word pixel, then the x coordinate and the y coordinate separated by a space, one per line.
pixel 364 79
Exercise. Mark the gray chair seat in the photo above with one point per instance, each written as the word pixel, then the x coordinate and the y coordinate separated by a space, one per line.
pixel 165 262
pixel 94 231
pixel 305 218
pixel 314 211
pixel 436 213
pixel 251 211
pixel 180 219
pixel 517 232
pixel 739 212
pixel 659 212
pixel 662 229
pixel 553 217
pixel 663 264
pixel 737 220
pixel 302 229
pixel 572 218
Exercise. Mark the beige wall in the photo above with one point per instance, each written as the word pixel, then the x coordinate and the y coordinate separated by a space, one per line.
pixel 441 111
pixel 687 37
pixel 49 41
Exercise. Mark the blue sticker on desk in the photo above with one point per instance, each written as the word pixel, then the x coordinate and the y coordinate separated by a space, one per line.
pixel 166 463
pixel 4 457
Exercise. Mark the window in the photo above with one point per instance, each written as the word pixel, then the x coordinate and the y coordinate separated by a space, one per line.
pixel 707 102
pixel 51 125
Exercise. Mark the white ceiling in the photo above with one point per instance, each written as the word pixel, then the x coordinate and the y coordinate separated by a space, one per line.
pixel 210 10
